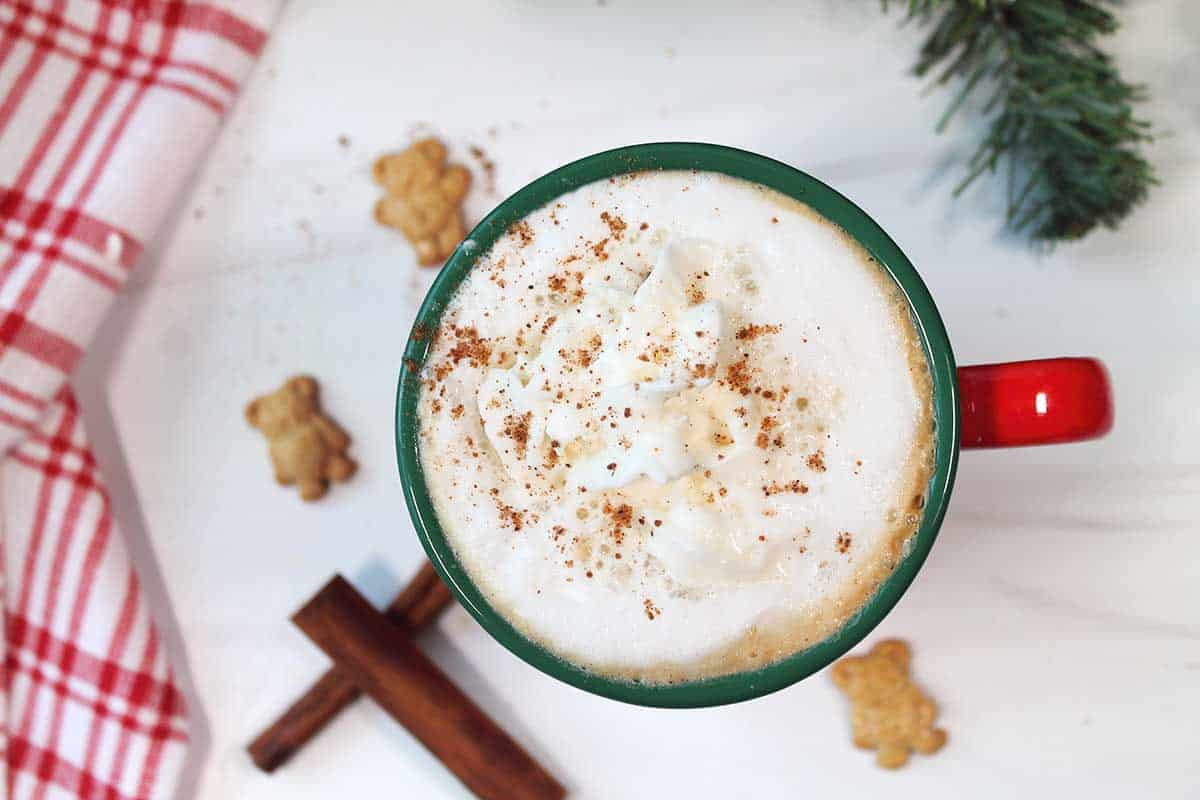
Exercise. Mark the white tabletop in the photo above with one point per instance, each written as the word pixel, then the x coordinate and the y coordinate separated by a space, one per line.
pixel 1057 620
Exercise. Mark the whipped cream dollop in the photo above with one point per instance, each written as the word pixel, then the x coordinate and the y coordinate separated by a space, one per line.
pixel 637 349
pixel 613 397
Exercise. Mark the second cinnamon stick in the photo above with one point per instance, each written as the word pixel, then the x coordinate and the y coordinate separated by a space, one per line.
pixel 388 666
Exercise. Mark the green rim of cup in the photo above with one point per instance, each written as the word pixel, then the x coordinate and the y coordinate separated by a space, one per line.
pixel 751 167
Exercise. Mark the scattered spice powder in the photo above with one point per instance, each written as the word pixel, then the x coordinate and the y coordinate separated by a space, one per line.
pixel 844 539
pixel 651 610
pixel 509 516
pixel 738 376
pixel 660 354
pixel 616 225
pixel 751 332
pixel 517 429
pixel 584 356
pixel 795 487
pixel 521 230
pixel 470 346
pixel 588 355
pixel 622 518
pixel 487 165
pixel 764 437
pixel 816 461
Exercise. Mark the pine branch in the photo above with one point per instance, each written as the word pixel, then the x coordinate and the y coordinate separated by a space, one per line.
pixel 1060 116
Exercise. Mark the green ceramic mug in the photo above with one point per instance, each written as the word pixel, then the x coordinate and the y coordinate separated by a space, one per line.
pixel 1019 403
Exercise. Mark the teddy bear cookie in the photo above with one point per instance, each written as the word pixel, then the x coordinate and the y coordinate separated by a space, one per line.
pixel 890 713
pixel 307 448
pixel 424 198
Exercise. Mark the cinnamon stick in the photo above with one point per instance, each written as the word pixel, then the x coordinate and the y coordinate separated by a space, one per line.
pixel 413 609
pixel 386 665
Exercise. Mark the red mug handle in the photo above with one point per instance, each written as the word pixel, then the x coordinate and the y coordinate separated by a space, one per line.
pixel 1048 401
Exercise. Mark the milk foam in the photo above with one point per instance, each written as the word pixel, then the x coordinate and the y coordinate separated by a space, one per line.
pixel 676 425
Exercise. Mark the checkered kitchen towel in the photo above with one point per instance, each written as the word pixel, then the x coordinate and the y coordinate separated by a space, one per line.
pixel 105 109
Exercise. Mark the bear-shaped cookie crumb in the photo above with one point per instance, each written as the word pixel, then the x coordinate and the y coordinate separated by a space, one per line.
pixel 307 447
pixel 424 197
pixel 890 713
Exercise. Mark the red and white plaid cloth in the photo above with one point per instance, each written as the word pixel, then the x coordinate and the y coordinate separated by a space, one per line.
pixel 105 109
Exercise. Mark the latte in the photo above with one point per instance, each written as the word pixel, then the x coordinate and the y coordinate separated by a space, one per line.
pixel 676 425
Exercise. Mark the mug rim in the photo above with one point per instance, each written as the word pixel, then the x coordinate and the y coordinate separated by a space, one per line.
pixel 826 201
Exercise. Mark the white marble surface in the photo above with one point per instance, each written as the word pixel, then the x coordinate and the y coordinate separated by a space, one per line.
pixel 1058 618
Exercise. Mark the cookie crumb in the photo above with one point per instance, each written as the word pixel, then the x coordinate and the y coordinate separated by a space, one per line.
pixel 487 165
